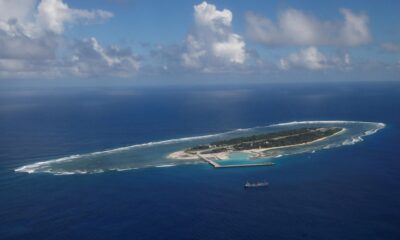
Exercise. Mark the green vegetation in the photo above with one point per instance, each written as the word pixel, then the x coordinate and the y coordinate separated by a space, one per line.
pixel 269 140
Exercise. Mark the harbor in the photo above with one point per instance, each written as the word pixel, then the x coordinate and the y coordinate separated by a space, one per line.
pixel 213 163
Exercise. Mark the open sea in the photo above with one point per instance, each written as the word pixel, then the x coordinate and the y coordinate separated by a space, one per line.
pixel 349 192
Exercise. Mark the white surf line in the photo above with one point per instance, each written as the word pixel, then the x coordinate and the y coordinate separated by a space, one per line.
pixel 165 165
pixel 32 168
pixel 326 122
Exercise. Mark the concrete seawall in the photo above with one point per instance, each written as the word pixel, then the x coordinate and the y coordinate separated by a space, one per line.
pixel 217 165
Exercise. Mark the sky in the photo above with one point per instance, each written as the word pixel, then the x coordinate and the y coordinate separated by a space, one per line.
pixel 152 42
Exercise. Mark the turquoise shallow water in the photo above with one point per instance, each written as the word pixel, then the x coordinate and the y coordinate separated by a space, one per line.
pixel 348 192
pixel 238 158
pixel 155 154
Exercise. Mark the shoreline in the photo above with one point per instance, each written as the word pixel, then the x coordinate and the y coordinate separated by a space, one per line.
pixel 260 150
pixel 256 153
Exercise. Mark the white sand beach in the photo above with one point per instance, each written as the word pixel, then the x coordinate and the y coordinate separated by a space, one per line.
pixel 255 153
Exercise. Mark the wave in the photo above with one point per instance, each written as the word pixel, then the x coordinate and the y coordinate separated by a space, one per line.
pixel 89 161
pixel 60 173
pixel 352 141
pixel 163 142
pixel 373 131
pixel 32 167
pixel 123 169
pixel 381 125
pixel 165 165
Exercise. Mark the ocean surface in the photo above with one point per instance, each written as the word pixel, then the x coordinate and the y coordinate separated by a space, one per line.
pixel 346 192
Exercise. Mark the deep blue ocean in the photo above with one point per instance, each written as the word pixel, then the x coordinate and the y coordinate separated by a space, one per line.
pixel 351 192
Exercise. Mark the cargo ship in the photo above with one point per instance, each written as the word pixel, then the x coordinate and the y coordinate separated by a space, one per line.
pixel 256 185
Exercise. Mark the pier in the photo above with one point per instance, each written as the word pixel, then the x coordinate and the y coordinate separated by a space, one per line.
pixel 217 165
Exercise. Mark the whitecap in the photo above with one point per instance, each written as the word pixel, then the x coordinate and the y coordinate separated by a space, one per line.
pixel 134 156
pixel 165 165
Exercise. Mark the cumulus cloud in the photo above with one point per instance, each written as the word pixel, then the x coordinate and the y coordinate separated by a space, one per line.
pixel 311 58
pixel 391 47
pixel 17 9
pixel 26 17
pixel 23 68
pixel 54 14
pixel 212 43
pixel 293 27
pixel 85 58
pixel 31 40
pixel 89 58
pixel 20 46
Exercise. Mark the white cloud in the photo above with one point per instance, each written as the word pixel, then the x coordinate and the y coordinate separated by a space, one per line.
pixel 212 44
pixel 85 58
pixel 32 68
pixel 31 41
pixel 22 10
pixel 347 60
pixel 311 58
pixel 208 16
pixel 232 49
pixel 391 47
pixel 35 19
pixel 293 27
pixel 30 29
pixel 54 14
pixel 20 46
pixel 89 58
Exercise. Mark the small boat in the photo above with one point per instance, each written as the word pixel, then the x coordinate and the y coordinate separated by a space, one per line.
pixel 256 185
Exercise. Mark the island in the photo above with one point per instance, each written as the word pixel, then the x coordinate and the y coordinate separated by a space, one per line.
pixel 255 145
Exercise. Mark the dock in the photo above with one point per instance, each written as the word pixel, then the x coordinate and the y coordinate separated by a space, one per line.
pixel 217 165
